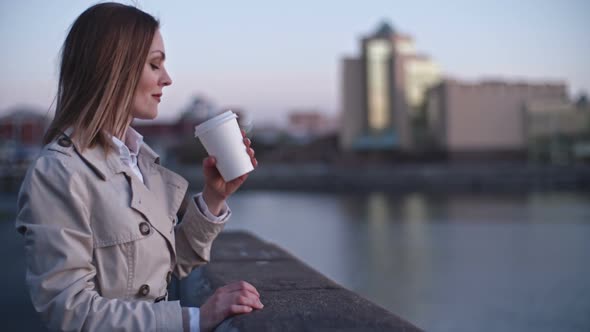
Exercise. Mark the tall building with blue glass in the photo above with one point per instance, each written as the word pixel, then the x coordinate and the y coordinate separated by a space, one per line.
pixel 381 90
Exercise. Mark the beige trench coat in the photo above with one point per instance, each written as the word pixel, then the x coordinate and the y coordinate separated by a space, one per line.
pixel 101 246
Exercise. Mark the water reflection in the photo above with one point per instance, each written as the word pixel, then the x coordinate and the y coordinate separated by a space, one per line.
pixel 446 263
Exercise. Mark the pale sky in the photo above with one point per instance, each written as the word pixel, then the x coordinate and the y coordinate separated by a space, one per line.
pixel 270 57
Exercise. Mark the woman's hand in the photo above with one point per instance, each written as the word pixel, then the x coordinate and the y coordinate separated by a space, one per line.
pixel 216 190
pixel 232 299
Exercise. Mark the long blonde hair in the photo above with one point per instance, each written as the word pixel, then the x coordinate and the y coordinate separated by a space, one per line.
pixel 102 60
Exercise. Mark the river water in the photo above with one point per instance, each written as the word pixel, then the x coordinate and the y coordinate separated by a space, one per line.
pixel 443 262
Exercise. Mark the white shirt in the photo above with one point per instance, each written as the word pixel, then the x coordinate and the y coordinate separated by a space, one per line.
pixel 128 152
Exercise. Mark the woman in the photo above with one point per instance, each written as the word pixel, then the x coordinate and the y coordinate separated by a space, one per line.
pixel 98 212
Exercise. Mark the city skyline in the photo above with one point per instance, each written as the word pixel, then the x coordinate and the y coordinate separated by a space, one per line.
pixel 270 58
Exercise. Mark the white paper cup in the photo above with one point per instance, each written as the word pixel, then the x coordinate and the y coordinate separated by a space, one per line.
pixel 222 138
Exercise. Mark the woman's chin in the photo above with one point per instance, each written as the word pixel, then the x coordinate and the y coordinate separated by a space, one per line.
pixel 147 116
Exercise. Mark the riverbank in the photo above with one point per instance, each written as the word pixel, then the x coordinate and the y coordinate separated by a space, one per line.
pixel 429 178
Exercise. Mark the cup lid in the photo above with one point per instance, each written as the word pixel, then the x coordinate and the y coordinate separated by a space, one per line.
pixel 214 122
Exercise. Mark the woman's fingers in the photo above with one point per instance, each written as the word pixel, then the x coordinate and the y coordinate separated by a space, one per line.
pixel 249 299
pixel 241 285
pixel 209 161
pixel 237 309
pixel 249 149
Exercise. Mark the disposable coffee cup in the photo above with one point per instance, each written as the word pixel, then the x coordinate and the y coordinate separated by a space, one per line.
pixel 222 138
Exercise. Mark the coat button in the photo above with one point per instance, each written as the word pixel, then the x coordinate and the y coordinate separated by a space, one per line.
pixel 144 290
pixel 168 277
pixel 64 142
pixel 144 228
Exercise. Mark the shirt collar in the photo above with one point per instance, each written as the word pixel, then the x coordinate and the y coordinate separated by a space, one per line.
pixel 132 145
pixel 133 140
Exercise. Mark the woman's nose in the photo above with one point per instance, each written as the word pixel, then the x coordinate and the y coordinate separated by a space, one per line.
pixel 166 80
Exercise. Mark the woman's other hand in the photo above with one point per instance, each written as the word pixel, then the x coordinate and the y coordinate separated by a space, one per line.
pixel 233 299
pixel 216 190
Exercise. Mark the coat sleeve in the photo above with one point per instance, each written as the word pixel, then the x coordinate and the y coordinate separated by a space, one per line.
pixel 194 237
pixel 54 219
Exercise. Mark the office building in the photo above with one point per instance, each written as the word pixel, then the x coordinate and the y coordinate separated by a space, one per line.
pixel 381 90
pixel 485 118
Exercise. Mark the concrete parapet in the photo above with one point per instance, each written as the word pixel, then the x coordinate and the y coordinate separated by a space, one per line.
pixel 296 297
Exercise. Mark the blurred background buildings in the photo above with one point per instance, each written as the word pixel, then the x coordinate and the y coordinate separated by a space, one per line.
pixel 396 99
pixel 395 103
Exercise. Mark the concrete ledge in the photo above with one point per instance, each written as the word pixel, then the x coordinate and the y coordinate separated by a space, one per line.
pixel 295 297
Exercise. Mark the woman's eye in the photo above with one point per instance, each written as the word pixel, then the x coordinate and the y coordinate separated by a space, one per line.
pixel 154 66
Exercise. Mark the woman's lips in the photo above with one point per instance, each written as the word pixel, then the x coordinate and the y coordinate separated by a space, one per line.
pixel 157 97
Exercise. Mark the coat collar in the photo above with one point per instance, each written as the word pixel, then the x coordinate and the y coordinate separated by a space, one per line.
pixel 106 165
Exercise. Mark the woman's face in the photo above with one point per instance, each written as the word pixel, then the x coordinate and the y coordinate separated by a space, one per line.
pixel 153 79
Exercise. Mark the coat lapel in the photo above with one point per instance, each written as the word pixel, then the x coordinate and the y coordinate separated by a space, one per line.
pixel 157 200
pixel 160 198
